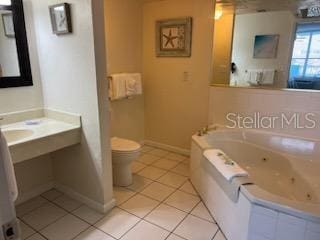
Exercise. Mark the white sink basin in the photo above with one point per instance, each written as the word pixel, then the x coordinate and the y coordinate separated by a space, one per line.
pixel 17 134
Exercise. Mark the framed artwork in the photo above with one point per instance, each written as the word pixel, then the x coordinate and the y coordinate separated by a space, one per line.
pixel 8 26
pixel 60 15
pixel 173 37
pixel 266 46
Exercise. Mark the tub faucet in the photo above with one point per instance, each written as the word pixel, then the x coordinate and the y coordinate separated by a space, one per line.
pixel 203 131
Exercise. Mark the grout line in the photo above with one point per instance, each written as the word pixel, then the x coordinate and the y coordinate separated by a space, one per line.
pixel 215 234
pixel 46 201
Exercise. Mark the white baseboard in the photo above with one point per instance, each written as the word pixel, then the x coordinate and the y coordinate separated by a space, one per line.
pixel 103 208
pixel 23 197
pixel 168 147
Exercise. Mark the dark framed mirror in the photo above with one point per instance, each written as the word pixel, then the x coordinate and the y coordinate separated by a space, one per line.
pixel 15 68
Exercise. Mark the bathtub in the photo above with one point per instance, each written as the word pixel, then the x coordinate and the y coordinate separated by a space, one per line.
pixel 283 203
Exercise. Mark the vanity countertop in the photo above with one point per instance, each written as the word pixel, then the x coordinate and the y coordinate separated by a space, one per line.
pixel 33 137
pixel 36 129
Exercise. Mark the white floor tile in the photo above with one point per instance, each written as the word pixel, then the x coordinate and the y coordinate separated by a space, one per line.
pixel 219 236
pixel 30 205
pixel 165 164
pixel 193 228
pixel 36 236
pixel 186 161
pixel 159 152
pixel 139 183
pixel 122 194
pixel 187 187
pixel 183 201
pixel 87 214
pixel 176 157
pixel 147 159
pixel 182 169
pixel 172 179
pixel 67 203
pixel 139 205
pixel 93 234
pixel 146 231
pixel 202 212
pixel 26 231
pixel 65 228
pixel 174 237
pixel 117 222
pixel 158 191
pixel 43 216
pixel 137 166
pixel 152 172
pixel 166 217
pixel 52 194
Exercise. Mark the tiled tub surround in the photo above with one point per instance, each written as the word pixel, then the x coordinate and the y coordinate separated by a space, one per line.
pixel 246 101
pixel 160 204
pixel 46 131
pixel 282 204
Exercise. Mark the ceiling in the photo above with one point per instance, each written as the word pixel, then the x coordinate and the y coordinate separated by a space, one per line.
pixel 247 6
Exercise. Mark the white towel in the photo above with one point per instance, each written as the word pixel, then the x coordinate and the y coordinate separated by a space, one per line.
pixel 6 163
pixel 254 77
pixel 133 84
pixel 117 86
pixel 268 77
pixel 215 156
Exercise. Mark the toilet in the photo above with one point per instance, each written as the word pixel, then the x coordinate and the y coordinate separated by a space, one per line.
pixel 123 153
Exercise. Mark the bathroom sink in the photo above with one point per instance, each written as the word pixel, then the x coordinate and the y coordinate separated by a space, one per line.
pixel 17 134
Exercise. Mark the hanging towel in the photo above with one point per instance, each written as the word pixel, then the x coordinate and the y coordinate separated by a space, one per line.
pixel 6 163
pixel 268 77
pixel 219 160
pixel 254 77
pixel 117 86
pixel 133 84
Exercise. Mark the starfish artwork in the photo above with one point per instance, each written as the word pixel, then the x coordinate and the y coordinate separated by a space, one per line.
pixel 170 39
pixel 173 37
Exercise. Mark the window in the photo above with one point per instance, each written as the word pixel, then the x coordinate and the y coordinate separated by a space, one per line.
pixel 305 62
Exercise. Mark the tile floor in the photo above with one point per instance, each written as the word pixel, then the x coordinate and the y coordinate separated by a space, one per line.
pixel 160 204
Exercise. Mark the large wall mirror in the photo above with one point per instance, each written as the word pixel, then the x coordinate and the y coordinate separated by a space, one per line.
pixel 267 44
pixel 15 70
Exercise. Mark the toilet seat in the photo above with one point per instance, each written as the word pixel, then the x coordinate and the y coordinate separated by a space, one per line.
pixel 120 145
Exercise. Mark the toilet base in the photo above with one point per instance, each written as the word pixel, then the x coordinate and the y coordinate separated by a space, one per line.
pixel 122 175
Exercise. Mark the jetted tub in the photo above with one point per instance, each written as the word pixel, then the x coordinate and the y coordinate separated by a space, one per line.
pixel 283 203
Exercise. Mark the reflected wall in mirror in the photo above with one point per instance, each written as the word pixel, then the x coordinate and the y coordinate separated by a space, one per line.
pixel 15 69
pixel 266 44
pixel 9 64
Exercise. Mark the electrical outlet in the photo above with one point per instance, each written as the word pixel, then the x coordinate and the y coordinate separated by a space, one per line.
pixel 11 230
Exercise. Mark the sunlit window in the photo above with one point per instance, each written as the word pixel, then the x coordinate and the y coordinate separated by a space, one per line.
pixel 5 2
pixel 306 53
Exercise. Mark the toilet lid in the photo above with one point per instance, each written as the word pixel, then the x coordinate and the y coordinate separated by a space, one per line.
pixel 124 145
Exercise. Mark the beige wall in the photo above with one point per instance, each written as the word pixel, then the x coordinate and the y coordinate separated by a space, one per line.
pixel 222 49
pixel 124 53
pixel 73 73
pixel 174 108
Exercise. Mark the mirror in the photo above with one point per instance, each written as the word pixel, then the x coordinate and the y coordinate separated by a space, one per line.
pixel 267 44
pixel 9 64
pixel 15 70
